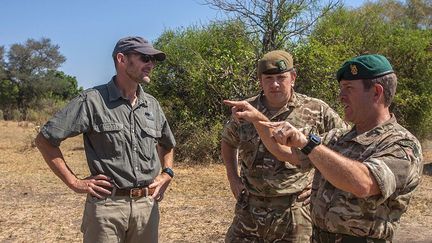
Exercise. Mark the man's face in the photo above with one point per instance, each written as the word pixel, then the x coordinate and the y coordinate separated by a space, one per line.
pixel 277 87
pixel 357 102
pixel 139 67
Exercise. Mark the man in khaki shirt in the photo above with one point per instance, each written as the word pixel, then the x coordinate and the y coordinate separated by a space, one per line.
pixel 127 141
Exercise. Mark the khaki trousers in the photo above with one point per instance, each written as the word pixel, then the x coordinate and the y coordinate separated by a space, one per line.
pixel 120 219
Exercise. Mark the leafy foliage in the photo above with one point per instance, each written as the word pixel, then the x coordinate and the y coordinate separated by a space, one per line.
pixel 204 66
pixel 30 75
pixel 347 33
pixel 276 23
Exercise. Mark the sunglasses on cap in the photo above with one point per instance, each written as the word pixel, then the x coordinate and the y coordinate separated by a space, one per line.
pixel 144 58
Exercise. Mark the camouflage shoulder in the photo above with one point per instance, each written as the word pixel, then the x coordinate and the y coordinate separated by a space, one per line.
pixel 307 99
pixel 405 138
pixel 253 100
pixel 334 134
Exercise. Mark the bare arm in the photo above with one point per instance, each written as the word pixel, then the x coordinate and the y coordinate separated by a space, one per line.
pixel 161 182
pixel 230 158
pixel 344 173
pixel 166 156
pixel 54 158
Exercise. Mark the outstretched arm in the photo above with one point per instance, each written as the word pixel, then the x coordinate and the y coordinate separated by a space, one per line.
pixel 342 172
pixel 244 110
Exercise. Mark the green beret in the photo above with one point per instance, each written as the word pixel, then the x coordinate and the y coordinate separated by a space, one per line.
pixel 364 67
pixel 275 62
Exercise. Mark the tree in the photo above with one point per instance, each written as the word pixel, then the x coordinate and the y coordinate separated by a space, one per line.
pixel 58 85
pixel 276 23
pixel 204 66
pixel 28 64
pixel 2 64
pixel 412 14
pixel 29 79
pixel 348 33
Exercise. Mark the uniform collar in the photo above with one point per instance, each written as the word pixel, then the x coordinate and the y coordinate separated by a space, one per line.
pixel 115 94
pixel 369 137
pixel 292 103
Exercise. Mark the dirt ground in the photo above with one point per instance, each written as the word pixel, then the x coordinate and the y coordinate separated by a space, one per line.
pixel 198 207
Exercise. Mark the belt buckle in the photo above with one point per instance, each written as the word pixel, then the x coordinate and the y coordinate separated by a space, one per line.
pixel 135 193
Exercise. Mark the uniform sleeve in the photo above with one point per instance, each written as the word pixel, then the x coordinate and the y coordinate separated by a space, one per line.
pixel 396 167
pixel 167 139
pixel 68 122
pixel 230 133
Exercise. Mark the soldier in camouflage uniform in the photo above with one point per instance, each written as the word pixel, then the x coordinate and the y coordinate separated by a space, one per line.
pixel 267 208
pixel 360 192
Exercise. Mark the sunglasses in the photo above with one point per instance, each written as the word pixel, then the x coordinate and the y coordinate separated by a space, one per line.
pixel 144 58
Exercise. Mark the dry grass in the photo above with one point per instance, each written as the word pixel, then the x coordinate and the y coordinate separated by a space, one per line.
pixel 198 207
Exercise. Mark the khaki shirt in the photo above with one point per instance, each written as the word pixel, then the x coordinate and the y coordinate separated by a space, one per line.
pixel 264 175
pixel 119 140
pixel 393 156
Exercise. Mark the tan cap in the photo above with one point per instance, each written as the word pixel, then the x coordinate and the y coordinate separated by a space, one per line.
pixel 275 62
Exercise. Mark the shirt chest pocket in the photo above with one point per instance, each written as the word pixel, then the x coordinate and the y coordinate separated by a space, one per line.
pixel 249 142
pixel 148 140
pixel 108 140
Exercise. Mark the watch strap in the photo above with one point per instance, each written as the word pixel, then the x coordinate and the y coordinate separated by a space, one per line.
pixel 313 141
pixel 168 171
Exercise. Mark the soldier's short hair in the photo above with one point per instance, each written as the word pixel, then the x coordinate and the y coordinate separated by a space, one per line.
pixel 388 82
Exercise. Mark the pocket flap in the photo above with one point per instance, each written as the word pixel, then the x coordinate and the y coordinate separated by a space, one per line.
pixel 108 127
pixel 152 132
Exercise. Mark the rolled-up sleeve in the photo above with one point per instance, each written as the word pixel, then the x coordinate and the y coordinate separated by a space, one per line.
pixel 167 140
pixel 230 133
pixel 394 167
pixel 68 122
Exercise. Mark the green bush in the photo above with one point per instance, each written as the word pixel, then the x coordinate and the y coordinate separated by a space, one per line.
pixel 46 108
pixel 16 115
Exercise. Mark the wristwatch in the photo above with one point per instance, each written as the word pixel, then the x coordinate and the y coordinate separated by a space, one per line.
pixel 169 171
pixel 313 141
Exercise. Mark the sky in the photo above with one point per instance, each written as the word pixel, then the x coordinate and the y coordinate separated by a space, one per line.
pixel 87 30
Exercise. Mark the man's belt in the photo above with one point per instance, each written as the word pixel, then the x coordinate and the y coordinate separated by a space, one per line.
pixel 135 192
pixel 328 237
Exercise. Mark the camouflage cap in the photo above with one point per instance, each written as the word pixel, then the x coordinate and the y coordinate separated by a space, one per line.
pixel 275 62
pixel 364 67
pixel 137 44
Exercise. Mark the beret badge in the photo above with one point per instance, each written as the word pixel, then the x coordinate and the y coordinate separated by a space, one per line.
pixel 281 65
pixel 354 69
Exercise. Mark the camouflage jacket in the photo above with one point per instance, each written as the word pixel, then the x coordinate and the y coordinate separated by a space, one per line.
pixel 264 175
pixel 393 156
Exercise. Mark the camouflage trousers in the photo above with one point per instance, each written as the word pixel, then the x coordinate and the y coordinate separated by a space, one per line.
pixel 321 236
pixel 265 219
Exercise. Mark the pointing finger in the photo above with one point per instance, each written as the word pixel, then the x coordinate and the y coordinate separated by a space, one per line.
pixel 232 102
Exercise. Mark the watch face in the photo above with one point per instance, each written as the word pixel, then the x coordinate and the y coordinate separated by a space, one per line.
pixel 315 139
